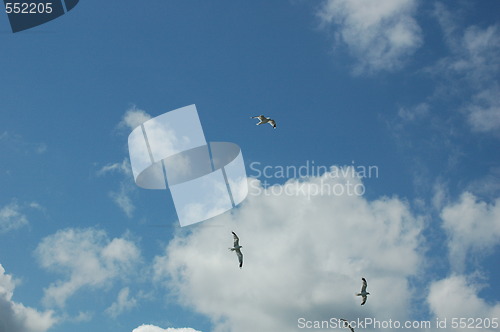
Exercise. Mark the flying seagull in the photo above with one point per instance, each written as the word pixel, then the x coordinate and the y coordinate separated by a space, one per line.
pixel 346 324
pixel 237 249
pixel 363 293
pixel 263 119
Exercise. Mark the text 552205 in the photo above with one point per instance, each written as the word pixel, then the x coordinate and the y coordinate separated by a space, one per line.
pixel 28 8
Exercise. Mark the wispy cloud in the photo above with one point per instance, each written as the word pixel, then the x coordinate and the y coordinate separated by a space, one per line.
pixel 123 196
pixel 123 303
pixel 17 317
pixel 381 35
pixel 121 167
pixel 86 257
pixel 15 142
pixel 13 215
pixel 123 199
pixel 12 218
pixel 484 110
pixel 472 69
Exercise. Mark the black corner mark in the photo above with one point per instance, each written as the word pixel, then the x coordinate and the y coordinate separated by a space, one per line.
pixel 26 14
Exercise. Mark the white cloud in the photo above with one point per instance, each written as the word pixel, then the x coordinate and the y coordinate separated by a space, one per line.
pixel 473 65
pixel 152 328
pixel 477 54
pixel 123 168
pixel 87 258
pixel 456 297
pixel 472 226
pixel 488 185
pixel 134 117
pixel 18 144
pixel 414 113
pixel 304 256
pixel 122 304
pixel 123 198
pixel 11 217
pixel 484 110
pixel 381 35
pixel 15 316
pixel 82 316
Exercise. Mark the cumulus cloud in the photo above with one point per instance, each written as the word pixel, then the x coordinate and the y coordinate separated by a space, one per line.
pixel 471 226
pixel 15 316
pixel 381 35
pixel 152 328
pixel 456 296
pixel 87 258
pixel 304 256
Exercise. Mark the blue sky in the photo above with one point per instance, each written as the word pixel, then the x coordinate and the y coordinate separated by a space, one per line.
pixel 411 87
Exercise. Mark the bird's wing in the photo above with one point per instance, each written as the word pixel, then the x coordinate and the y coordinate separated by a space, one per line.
pixel 236 239
pixel 346 324
pixel 272 123
pixel 364 300
pixel 240 257
pixel 363 288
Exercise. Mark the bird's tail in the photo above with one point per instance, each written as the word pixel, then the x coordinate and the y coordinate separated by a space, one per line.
pixel 231 249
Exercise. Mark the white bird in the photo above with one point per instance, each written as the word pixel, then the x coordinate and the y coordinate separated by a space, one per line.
pixel 237 248
pixel 263 119
pixel 346 324
pixel 363 292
